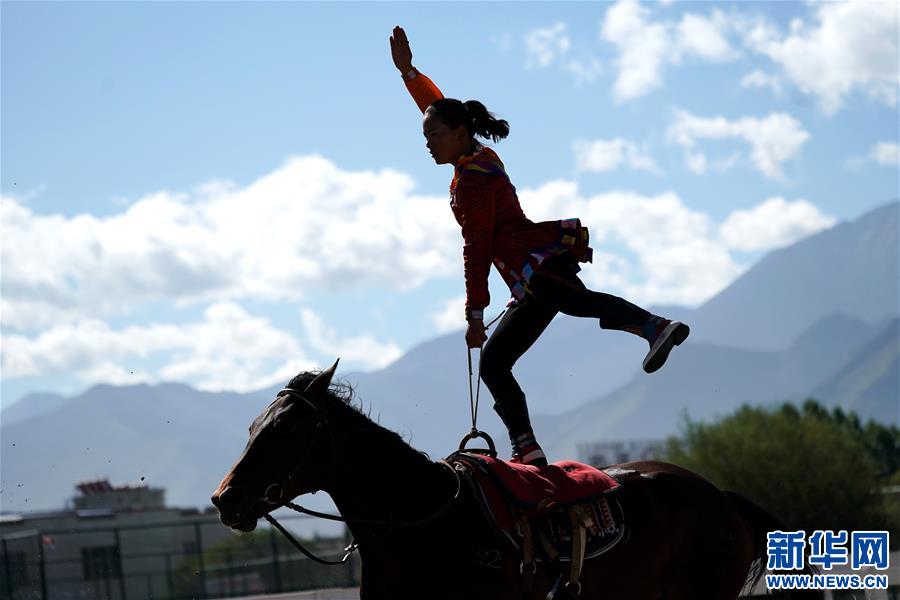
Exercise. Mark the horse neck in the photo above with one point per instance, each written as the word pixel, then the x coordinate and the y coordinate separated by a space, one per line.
pixel 375 475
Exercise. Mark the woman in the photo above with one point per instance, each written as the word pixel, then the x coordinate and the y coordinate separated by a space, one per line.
pixel 538 261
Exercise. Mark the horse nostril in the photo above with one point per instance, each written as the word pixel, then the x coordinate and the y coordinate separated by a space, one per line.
pixel 232 496
pixel 274 493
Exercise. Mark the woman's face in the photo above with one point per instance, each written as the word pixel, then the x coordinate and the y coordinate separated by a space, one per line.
pixel 445 144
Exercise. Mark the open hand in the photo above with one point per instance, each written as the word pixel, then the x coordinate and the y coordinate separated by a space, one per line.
pixel 400 51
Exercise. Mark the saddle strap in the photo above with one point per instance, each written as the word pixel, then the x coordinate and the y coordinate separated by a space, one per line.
pixel 579 540
pixel 528 566
pixel 549 548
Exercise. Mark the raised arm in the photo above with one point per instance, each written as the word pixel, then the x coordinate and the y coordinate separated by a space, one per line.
pixel 422 89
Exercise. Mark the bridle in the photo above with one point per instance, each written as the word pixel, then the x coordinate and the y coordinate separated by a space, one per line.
pixel 275 492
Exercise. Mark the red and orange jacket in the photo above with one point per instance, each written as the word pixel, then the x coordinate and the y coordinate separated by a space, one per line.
pixel 494 227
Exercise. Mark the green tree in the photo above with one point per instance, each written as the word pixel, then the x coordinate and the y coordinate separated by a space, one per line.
pixel 810 468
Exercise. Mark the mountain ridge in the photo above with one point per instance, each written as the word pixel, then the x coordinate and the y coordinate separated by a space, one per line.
pixel 582 383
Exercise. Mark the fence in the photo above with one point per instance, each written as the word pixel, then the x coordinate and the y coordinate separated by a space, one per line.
pixel 197 559
pixel 194 559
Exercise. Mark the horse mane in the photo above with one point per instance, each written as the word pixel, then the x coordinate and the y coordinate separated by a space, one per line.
pixel 341 395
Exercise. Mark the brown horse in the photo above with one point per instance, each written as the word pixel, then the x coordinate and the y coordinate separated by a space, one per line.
pixel 686 538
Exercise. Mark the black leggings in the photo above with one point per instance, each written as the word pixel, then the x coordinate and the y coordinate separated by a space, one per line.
pixel 555 288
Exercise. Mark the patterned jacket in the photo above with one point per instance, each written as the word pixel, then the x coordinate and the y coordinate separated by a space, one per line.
pixel 494 227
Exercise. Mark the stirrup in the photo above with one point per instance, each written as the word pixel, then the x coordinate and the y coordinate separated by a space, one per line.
pixel 490 451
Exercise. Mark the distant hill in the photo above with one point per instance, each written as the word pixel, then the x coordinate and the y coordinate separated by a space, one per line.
pixel 32 406
pixel 852 268
pixel 816 319
pixel 870 383
pixel 858 372
pixel 169 434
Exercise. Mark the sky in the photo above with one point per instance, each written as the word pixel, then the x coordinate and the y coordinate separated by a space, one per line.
pixel 224 194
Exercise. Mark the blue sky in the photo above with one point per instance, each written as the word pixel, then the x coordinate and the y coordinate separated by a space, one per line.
pixel 226 193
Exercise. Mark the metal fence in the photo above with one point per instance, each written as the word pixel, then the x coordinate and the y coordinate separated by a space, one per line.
pixel 194 560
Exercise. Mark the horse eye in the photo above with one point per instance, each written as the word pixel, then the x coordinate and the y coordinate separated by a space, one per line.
pixel 283 422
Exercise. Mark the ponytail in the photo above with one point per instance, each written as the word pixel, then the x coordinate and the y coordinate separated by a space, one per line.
pixel 484 124
pixel 472 115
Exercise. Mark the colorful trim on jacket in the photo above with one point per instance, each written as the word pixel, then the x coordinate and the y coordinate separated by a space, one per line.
pixel 573 237
pixel 483 160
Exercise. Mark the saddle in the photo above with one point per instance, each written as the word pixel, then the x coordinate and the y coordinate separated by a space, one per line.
pixel 565 512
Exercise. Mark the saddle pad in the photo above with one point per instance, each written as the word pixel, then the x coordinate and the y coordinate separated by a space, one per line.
pixel 560 483
pixel 607 527
pixel 601 508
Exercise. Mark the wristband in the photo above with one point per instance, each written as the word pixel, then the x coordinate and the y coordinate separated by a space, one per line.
pixel 474 314
pixel 410 74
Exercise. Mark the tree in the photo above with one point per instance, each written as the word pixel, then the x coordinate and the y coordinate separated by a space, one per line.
pixel 810 468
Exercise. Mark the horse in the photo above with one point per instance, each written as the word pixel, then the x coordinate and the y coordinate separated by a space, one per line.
pixel 421 535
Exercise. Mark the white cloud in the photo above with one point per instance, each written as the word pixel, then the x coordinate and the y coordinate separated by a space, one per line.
pixel 656 250
pixel 672 254
pixel 585 71
pixel 451 315
pixel 608 155
pixel 847 47
pixel 773 140
pixel 544 45
pixel 705 37
pixel 363 349
pixel 773 224
pixel 228 350
pixel 759 79
pixel 645 46
pixel 642 48
pixel 305 227
pixel 115 374
pixel 886 154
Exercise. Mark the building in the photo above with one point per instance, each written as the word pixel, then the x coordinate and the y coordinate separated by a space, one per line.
pixel 101 495
pixel 603 454
pixel 114 542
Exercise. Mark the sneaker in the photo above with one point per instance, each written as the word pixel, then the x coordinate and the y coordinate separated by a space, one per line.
pixel 668 334
pixel 527 451
pixel 537 461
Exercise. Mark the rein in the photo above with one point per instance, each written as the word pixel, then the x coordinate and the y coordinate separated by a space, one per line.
pixel 348 551
pixel 275 491
pixel 474 433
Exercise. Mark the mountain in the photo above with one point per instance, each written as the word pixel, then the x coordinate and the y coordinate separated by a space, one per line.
pixel 703 381
pixel 185 440
pixel 870 383
pixel 37 404
pixel 781 332
pixel 825 347
pixel 852 268
pixel 166 434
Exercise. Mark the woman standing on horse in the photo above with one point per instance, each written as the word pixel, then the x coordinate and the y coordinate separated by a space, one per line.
pixel 538 261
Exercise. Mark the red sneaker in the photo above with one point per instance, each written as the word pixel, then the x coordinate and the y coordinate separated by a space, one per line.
pixel 527 451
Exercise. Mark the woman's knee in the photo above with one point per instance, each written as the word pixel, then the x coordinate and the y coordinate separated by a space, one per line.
pixel 493 363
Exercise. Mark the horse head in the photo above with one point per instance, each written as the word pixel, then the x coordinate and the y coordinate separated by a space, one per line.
pixel 270 471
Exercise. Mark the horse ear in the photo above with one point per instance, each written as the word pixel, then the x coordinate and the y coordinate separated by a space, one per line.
pixel 323 380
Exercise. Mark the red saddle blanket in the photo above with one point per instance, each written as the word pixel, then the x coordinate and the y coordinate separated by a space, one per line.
pixel 564 482
pixel 531 488
pixel 509 492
